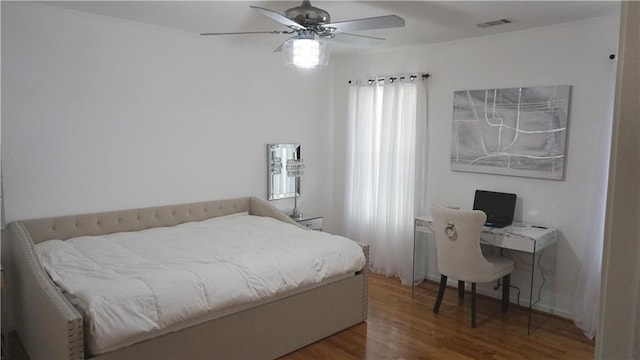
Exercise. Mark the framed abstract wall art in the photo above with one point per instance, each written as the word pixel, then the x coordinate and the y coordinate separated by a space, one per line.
pixel 515 131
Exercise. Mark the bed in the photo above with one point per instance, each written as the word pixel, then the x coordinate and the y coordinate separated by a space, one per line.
pixel 50 326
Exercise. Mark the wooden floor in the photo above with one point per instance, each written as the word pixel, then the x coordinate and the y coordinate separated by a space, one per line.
pixel 402 327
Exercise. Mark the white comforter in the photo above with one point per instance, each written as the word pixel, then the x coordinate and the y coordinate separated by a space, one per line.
pixel 133 283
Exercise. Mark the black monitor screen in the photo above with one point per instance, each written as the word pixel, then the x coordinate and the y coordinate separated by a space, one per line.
pixel 497 205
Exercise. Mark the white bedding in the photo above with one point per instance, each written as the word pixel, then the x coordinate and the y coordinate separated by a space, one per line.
pixel 133 283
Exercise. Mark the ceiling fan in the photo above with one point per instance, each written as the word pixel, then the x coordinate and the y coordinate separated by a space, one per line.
pixel 311 26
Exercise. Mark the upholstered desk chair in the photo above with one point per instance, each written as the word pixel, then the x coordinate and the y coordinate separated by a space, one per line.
pixel 459 256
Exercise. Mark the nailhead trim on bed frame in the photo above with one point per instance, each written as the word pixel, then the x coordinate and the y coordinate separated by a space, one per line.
pixel 44 287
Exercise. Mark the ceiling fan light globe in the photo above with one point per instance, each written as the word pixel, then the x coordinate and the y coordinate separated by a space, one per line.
pixel 306 53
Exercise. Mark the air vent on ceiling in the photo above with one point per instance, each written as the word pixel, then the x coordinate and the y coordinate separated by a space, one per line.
pixel 495 22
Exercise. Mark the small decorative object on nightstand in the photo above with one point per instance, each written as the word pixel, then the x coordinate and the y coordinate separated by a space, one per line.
pixel 312 222
pixel 295 169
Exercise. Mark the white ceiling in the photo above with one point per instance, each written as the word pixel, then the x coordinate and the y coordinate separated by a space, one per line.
pixel 426 21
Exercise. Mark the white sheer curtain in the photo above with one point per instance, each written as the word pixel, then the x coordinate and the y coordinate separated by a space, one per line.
pixel 587 296
pixel 386 170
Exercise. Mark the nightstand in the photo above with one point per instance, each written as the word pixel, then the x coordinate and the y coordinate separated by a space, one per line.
pixel 312 222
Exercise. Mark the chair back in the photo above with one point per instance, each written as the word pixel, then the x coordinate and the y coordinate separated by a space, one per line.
pixel 457 234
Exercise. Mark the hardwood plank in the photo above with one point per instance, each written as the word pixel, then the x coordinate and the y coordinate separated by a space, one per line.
pixel 400 327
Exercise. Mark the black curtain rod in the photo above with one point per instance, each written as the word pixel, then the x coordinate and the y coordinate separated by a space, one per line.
pixel 393 78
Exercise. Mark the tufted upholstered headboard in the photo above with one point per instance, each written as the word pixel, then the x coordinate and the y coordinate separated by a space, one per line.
pixel 66 227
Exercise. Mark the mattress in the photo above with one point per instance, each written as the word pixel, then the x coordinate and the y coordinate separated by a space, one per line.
pixel 134 285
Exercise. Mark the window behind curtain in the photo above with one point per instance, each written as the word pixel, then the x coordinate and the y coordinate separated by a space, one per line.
pixel 386 171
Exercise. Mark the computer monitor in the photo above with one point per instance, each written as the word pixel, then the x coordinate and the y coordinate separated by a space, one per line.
pixel 498 206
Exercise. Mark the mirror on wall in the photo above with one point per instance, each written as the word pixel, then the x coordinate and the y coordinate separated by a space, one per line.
pixel 281 186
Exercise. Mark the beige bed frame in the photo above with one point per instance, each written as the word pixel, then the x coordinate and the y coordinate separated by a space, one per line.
pixel 51 328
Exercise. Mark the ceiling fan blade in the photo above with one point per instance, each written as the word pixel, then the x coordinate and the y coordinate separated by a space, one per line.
pixel 378 22
pixel 248 32
pixel 279 18
pixel 357 39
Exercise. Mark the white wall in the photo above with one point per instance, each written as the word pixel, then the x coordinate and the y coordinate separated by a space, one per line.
pixel 574 54
pixel 103 114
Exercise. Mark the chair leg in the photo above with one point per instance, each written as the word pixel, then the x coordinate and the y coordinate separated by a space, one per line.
pixel 473 304
pixel 443 285
pixel 461 289
pixel 506 285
